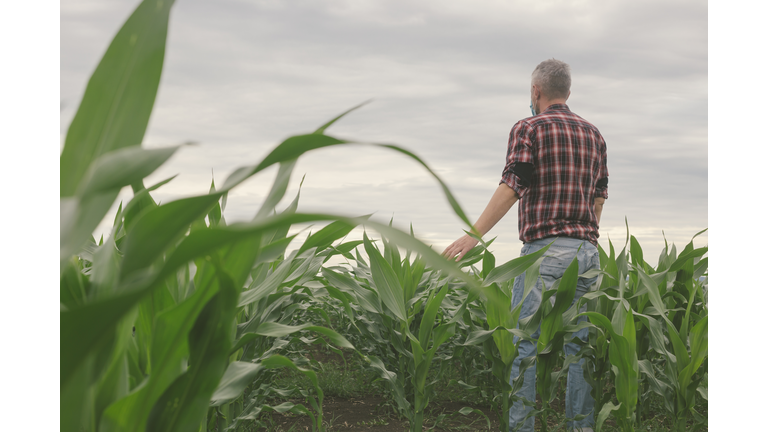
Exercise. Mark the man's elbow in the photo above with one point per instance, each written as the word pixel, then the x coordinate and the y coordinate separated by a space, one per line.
pixel 508 193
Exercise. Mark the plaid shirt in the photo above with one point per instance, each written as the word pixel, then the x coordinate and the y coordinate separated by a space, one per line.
pixel 568 159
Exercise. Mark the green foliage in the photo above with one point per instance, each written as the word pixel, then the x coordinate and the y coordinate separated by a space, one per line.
pixel 644 316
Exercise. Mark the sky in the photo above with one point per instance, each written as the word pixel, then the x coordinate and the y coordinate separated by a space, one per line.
pixel 446 79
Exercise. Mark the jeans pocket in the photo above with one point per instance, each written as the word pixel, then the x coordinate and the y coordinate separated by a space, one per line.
pixel 557 260
pixel 589 259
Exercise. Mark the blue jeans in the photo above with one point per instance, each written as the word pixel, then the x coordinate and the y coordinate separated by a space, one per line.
pixel 558 257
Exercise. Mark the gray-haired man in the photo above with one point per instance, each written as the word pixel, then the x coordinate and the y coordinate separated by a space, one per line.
pixel 557 168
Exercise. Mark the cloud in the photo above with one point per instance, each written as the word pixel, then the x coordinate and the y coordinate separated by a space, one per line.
pixel 448 80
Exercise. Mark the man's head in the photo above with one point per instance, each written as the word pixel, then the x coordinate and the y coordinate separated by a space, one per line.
pixel 550 81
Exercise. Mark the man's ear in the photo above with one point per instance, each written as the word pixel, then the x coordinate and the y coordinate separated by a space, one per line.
pixel 569 95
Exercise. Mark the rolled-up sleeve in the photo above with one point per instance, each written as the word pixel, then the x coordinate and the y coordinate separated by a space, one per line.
pixel 601 189
pixel 519 151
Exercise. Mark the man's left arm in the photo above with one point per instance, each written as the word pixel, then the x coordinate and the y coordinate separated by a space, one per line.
pixel 601 188
pixel 599 201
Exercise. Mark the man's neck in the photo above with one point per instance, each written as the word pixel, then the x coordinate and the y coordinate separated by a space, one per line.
pixel 545 103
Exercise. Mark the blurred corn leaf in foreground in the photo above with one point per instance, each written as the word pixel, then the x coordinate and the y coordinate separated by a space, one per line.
pixel 120 94
pixel 112 115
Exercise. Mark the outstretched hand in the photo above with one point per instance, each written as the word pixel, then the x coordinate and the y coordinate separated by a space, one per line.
pixel 501 201
pixel 460 247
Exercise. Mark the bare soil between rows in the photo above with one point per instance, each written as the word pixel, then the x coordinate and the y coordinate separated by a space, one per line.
pixel 371 413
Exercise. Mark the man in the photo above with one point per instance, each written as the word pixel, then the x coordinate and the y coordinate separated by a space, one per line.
pixel 556 168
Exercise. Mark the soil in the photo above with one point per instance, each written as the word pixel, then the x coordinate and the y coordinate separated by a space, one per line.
pixel 369 413
pixel 372 413
pixel 375 412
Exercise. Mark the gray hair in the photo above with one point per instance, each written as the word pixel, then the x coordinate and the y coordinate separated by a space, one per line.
pixel 553 77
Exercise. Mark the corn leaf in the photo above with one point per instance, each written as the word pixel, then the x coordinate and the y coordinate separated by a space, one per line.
pixel 236 378
pixel 327 235
pixel 513 268
pixel 553 320
pixel 368 299
pixel 386 282
pixel 604 413
pixel 277 361
pixel 277 192
pixel 699 345
pixel 122 167
pixel 183 406
pixel 120 94
pixel 428 319
pixel 274 329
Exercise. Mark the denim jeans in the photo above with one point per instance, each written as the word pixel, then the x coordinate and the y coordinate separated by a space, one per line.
pixel 558 257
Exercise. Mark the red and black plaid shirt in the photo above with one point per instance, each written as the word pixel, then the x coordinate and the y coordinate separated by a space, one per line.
pixel 567 155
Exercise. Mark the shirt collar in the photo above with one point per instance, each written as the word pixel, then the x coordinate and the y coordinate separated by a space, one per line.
pixel 557 107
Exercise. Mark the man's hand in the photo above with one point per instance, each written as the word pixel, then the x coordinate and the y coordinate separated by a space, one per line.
pixel 460 247
pixel 501 201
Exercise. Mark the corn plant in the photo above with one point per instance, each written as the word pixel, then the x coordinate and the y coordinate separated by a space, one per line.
pixel 653 298
pixel 278 297
pixel 401 311
pixel 673 293
pixel 603 301
pixel 623 357
pixel 612 349
pixel 682 378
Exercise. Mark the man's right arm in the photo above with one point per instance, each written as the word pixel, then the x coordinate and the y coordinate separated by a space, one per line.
pixel 599 201
pixel 501 201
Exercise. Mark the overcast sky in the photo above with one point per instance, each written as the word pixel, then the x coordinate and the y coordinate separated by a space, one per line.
pixel 448 80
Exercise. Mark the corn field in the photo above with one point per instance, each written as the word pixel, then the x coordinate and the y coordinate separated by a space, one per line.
pixel 179 321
